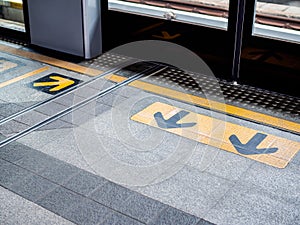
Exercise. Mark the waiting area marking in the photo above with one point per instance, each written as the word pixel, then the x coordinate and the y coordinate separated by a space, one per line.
pixel 16 79
pixel 266 148
pixel 212 105
pixel 54 83
pixel 6 65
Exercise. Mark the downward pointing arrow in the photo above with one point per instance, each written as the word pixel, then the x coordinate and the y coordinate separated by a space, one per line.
pixel 250 148
pixel 172 122
pixel 60 83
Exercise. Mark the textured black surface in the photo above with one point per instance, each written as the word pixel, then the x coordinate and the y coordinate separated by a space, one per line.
pixel 259 100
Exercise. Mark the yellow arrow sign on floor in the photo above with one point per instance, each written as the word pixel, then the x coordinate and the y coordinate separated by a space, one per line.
pixel 59 83
pixel 266 148
pixel 166 36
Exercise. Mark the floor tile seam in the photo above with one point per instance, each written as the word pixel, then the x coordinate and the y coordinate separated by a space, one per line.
pixel 207 212
pixel 77 104
pixel 271 193
pixel 112 210
pixel 67 92
pixel 155 200
pixel 66 211
pixel 105 218
pixel 102 204
pixel 40 146
pixel 38 173
pixel 49 116
pixel 212 174
pixel 294 162
pixel 57 185
pixel 233 184
pixel 216 199
pixel 257 110
pixel 43 120
pixel 10 188
pixel 126 200
pixel 17 121
pixel 161 212
pixel 116 212
pixel 30 174
pixel 240 181
pixel 32 202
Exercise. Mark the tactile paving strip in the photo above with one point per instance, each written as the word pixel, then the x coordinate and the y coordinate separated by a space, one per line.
pixel 264 101
pixel 105 61
pixel 14 41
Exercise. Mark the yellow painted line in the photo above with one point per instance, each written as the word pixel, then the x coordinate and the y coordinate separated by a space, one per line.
pixel 217 133
pixel 214 105
pixel 24 76
pixel 51 61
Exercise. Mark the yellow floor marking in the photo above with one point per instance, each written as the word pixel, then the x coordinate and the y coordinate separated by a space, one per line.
pixel 24 76
pixel 214 105
pixel 51 61
pixel 232 110
pixel 6 65
pixel 217 133
pixel 59 82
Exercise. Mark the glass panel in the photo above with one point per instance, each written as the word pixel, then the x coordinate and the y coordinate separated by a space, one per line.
pixel 212 13
pixel 278 19
pixel 11 15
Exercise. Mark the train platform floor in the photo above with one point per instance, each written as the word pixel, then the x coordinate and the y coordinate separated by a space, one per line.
pixel 117 141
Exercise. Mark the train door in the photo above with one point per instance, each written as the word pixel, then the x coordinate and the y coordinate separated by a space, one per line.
pixel 270 53
pixel 201 26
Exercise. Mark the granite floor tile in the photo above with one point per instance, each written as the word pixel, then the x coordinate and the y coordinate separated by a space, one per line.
pixel 172 216
pixel 84 182
pixel 141 207
pixel 33 187
pixel 111 195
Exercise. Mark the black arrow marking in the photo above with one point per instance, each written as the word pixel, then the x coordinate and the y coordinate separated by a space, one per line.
pixel 250 148
pixel 172 122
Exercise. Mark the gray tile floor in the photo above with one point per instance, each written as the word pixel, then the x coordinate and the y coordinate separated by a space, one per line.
pixel 213 184
pixel 97 166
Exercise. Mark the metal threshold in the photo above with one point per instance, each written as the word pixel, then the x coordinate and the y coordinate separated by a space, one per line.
pixel 277 33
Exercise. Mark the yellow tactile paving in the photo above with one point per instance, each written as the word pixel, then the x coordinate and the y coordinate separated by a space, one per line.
pixel 51 61
pixel 214 105
pixel 217 133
